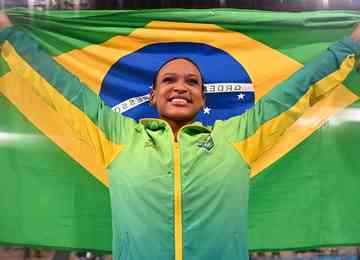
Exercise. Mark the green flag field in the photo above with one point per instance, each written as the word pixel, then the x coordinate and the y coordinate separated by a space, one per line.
pixel 304 192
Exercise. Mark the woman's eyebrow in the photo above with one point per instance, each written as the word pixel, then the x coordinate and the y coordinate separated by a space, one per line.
pixel 193 75
pixel 168 74
pixel 174 74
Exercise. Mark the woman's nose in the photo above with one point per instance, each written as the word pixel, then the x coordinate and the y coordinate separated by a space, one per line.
pixel 180 87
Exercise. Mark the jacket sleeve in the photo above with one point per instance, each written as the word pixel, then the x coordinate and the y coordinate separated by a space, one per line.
pixel 83 110
pixel 257 130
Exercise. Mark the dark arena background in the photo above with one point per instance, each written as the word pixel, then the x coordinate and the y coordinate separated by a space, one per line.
pixel 278 5
pixel 339 253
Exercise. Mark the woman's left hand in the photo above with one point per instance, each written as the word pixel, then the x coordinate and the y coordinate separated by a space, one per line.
pixel 356 34
pixel 4 21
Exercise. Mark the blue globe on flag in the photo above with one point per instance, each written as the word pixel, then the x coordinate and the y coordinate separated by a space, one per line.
pixel 228 87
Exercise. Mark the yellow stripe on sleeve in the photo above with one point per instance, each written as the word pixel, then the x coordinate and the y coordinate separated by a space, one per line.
pixel 312 120
pixel 269 133
pixel 56 117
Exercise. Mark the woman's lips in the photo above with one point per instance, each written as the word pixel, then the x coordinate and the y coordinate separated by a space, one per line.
pixel 179 101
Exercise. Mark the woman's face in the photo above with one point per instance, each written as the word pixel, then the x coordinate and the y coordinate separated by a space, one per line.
pixel 178 92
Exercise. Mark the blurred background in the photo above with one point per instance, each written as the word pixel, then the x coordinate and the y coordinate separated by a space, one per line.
pixel 330 253
pixel 290 5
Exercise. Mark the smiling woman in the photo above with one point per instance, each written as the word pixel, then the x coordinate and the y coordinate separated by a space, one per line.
pixel 178 92
pixel 179 190
pixel 221 89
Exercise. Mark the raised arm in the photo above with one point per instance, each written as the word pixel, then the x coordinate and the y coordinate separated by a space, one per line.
pixel 260 128
pixel 83 110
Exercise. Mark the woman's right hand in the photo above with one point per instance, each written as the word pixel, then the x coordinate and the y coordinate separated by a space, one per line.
pixel 4 21
pixel 356 34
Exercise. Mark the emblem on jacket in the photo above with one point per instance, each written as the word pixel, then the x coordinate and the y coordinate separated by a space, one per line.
pixel 207 143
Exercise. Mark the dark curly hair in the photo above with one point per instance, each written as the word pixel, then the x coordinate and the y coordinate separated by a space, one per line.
pixel 178 58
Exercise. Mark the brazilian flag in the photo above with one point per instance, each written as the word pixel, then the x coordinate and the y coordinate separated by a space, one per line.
pixel 304 191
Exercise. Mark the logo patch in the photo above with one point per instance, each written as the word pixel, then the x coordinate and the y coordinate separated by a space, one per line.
pixel 207 143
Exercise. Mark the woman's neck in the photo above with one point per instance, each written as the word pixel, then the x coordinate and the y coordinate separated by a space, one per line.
pixel 176 125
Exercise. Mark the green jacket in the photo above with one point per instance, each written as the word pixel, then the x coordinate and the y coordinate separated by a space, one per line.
pixel 184 200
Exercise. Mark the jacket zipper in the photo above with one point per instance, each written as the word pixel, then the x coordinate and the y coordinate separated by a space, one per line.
pixel 178 228
pixel 177 204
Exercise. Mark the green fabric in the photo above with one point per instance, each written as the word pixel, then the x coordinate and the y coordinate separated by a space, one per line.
pixel 70 87
pixel 142 194
pixel 62 31
pixel 4 68
pixel 47 199
pixel 284 96
pixel 306 199
pixel 277 101
pixel 352 82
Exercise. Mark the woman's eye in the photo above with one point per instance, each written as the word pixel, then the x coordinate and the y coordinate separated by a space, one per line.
pixel 168 80
pixel 193 82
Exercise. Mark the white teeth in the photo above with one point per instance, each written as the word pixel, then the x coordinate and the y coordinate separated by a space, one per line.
pixel 179 101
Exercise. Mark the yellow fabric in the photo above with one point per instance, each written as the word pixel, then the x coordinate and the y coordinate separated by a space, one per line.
pixel 177 203
pixel 68 125
pixel 312 120
pixel 328 83
pixel 92 63
pixel 254 146
pixel 258 143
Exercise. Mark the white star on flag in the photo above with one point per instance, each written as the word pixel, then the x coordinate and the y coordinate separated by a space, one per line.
pixel 207 110
pixel 241 96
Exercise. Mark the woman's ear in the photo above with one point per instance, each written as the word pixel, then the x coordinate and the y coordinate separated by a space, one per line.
pixel 204 100
pixel 152 99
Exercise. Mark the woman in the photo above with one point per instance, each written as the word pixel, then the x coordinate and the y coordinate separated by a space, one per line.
pixel 179 190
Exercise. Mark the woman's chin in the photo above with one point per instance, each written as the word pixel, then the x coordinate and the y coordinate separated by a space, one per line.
pixel 179 116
